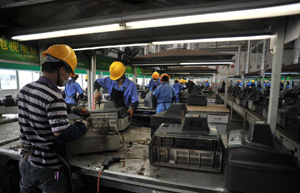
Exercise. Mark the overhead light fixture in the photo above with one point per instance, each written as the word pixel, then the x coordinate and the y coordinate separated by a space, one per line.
pixel 112 46
pixel 275 11
pixel 206 63
pixel 70 32
pixel 156 64
pixel 224 39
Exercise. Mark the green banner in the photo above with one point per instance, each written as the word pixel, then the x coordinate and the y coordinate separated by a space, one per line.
pixel 19 52
pixel 83 60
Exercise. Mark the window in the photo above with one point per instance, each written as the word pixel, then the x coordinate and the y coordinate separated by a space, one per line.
pixel 8 79
pixel 25 77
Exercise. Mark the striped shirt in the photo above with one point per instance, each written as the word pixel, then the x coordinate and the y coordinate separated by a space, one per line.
pixel 42 112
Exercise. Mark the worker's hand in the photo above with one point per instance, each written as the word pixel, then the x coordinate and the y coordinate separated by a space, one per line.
pixel 130 112
pixel 80 111
pixel 88 122
pixel 97 94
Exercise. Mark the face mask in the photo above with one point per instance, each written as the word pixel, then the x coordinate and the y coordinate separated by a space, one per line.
pixel 65 81
pixel 120 80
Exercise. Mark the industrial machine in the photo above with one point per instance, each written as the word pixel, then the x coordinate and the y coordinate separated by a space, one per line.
pixel 103 135
pixel 174 114
pixel 259 163
pixel 198 100
pixel 192 145
pixel 253 99
pixel 183 95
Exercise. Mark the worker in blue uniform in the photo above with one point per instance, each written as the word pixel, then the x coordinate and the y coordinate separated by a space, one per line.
pixel 267 84
pixel 71 90
pixel 206 84
pixel 281 85
pixel 287 85
pixel 177 87
pixel 164 94
pixel 154 82
pixel 121 90
pixel 258 84
pixel 238 84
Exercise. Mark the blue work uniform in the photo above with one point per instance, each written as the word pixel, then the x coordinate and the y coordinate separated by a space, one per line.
pixel 152 84
pixel 177 87
pixel 71 89
pixel 207 84
pixel 164 95
pixel 124 96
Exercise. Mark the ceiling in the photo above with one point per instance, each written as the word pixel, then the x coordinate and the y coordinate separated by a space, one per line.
pixel 19 17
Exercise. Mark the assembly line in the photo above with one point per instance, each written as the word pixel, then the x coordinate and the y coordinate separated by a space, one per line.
pixel 148 96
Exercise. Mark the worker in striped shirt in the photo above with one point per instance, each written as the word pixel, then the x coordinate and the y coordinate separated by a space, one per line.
pixel 45 127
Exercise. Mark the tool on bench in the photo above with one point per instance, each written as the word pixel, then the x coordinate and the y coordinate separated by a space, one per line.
pixel 105 165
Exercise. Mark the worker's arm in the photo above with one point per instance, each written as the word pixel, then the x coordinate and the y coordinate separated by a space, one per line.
pixel 134 100
pixel 72 133
pixel 59 123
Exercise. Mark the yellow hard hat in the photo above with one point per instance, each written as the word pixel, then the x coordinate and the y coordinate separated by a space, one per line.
pixel 86 77
pixel 206 80
pixel 181 81
pixel 64 53
pixel 282 81
pixel 184 81
pixel 116 70
pixel 155 75
pixel 238 81
pixel 253 81
pixel 267 81
pixel 164 74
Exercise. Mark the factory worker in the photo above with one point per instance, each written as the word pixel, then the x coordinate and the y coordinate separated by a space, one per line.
pixel 281 85
pixel 258 84
pixel 206 83
pixel 154 82
pixel 287 85
pixel 177 87
pixel 238 84
pixel 252 84
pixel 44 125
pixel 164 94
pixel 71 90
pixel 190 86
pixel 121 90
pixel 267 84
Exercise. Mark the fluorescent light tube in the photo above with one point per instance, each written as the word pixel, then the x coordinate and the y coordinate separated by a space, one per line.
pixel 204 63
pixel 112 46
pixel 224 39
pixel 276 11
pixel 69 32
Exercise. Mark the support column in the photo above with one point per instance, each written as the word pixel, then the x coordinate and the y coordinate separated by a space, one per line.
pixel 238 70
pixel 135 75
pixel 248 57
pixel 91 80
pixel 216 81
pixel 263 62
pixel 226 86
pixel 297 51
pixel 143 83
pixel 276 71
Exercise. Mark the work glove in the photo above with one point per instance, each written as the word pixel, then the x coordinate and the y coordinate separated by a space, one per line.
pixel 88 122
pixel 97 94
pixel 80 111
pixel 130 112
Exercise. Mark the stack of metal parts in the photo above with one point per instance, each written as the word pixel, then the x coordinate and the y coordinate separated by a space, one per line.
pixel 197 100
pixel 236 91
pixel 100 137
pixel 191 145
pixel 197 90
pixel 174 114
pixel 265 164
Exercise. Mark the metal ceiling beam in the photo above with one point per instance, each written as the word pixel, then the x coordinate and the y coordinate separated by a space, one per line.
pixel 200 8
pixel 12 4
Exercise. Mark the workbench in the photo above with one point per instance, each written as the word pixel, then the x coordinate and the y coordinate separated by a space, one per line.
pixel 248 115
pixel 136 174
pixel 210 108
